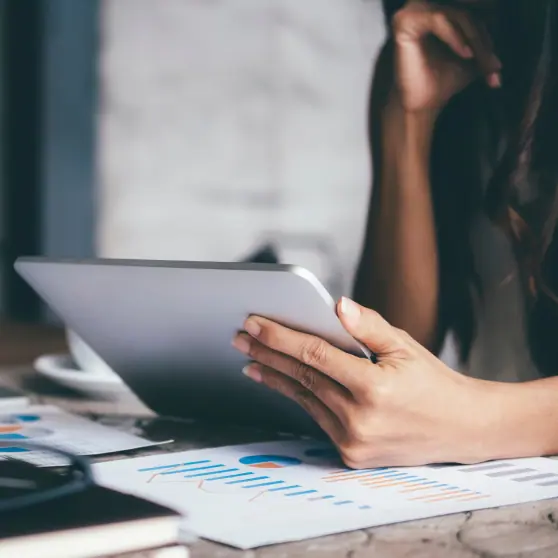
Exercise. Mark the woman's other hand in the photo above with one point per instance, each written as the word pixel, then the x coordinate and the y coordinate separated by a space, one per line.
pixel 408 409
pixel 439 50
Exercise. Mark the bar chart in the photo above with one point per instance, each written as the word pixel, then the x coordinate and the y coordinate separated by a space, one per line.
pixel 512 471
pixel 207 473
pixel 20 427
pixel 412 487
pixel 254 494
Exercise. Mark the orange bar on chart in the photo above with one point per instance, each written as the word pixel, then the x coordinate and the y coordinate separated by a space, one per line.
pixel 458 497
pixel 444 497
pixel 342 474
pixel 357 473
pixel 376 479
pixel 347 478
pixel 382 479
pixel 462 498
pixel 8 429
pixel 386 484
pixel 418 488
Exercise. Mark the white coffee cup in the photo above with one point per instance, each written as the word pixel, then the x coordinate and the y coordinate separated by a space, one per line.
pixel 85 357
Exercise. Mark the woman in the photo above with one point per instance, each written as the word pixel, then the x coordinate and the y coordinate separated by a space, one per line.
pixel 464 136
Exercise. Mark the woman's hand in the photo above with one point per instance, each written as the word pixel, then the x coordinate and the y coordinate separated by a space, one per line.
pixel 408 409
pixel 439 50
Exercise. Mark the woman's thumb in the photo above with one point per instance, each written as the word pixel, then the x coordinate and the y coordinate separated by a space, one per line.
pixel 367 326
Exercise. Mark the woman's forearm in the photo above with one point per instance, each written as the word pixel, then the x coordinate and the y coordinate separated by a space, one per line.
pixel 398 272
pixel 521 419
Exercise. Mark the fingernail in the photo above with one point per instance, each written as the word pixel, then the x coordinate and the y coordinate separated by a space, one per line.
pixel 494 80
pixel 252 327
pixel 496 61
pixel 349 308
pixel 253 372
pixel 242 344
pixel 468 52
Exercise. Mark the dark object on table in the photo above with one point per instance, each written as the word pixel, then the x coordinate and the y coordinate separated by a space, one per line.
pixel 81 523
pixel 267 254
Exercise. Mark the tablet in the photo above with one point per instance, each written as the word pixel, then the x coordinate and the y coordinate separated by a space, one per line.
pixel 166 329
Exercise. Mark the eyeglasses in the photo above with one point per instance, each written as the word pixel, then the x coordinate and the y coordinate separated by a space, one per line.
pixel 24 484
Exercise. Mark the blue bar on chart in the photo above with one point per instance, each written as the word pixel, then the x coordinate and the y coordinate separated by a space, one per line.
pixel 262 484
pixel 230 476
pixel 326 497
pixel 284 488
pixel 191 469
pixel 161 467
pixel 304 492
pixel 209 473
pixel 247 480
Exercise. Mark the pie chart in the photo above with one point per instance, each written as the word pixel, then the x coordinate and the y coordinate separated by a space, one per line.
pixel 269 461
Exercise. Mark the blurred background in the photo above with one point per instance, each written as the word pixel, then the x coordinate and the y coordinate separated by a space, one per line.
pixel 184 129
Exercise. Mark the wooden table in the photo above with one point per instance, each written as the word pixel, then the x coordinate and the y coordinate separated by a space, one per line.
pixel 529 530
pixel 22 343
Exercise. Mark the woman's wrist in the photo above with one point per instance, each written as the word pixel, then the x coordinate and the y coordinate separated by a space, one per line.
pixel 423 120
pixel 409 133
pixel 516 419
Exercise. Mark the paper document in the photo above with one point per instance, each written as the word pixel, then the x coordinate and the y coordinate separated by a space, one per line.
pixel 53 427
pixel 252 495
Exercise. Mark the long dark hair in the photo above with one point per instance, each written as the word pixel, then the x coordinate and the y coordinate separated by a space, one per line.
pixel 513 132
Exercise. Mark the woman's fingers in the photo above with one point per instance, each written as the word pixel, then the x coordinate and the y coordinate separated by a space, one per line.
pixel 311 351
pixel 371 329
pixel 452 35
pixel 416 22
pixel 456 28
pixel 324 416
pixel 480 42
pixel 494 79
pixel 330 393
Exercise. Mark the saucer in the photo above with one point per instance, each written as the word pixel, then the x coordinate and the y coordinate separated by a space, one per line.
pixel 60 368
